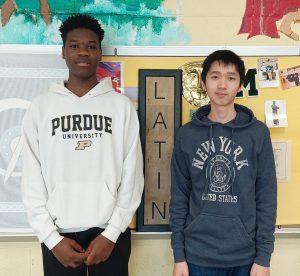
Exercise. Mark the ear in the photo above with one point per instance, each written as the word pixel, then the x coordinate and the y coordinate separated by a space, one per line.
pixel 241 88
pixel 203 86
pixel 100 55
pixel 63 50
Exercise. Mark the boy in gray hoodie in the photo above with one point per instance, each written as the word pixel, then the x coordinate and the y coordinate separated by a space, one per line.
pixel 223 191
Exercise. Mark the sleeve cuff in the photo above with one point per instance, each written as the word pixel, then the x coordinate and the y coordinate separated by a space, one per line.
pixel 111 233
pixel 179 255
pixel 263 259
pixel 53 239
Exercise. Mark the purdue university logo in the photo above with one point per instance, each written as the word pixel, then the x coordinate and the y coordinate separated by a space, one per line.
pixel 83 128
pixel 81 122
pixel 81 145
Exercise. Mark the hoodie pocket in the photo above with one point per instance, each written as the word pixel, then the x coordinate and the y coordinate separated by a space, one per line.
pixel 218 235
pixel 81 205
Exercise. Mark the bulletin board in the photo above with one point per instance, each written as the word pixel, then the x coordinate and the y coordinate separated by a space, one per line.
pixel 288 192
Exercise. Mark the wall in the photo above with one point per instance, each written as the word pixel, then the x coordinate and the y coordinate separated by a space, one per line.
pixel 151 256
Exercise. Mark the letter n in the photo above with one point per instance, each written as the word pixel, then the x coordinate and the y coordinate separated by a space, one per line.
pixel 161 213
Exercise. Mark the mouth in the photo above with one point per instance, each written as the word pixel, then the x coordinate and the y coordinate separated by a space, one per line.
pixel 82 63
pixel 221 94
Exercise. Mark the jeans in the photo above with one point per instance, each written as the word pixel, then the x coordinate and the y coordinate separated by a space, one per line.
pixel 195 270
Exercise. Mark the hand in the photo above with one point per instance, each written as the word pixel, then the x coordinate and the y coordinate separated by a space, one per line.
pixel 99 250
pixel 258 270
pixel 69 253
pixel 181 269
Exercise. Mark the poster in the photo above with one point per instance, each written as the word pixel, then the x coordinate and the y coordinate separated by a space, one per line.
pixel 275 112
pixel 21 79
pixel 114 70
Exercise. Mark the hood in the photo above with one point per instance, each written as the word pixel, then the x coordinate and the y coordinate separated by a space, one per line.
pixel 244 117
pixel 104 86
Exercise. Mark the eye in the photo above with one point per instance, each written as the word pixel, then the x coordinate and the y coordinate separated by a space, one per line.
pixel 74 46
pixel 92 47
pixel 232 78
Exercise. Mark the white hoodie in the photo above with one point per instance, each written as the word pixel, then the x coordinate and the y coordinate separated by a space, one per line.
pixel 82 162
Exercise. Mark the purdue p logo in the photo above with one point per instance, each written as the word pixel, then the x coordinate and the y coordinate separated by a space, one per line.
pixel 81 145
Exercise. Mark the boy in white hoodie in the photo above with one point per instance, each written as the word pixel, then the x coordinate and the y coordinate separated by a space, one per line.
pixel 83 173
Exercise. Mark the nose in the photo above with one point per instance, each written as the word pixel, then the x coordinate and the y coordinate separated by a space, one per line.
pixel 223 83
pixel 83 51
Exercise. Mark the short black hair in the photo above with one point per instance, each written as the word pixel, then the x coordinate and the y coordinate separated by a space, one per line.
pixel 227 57
pixel 81 21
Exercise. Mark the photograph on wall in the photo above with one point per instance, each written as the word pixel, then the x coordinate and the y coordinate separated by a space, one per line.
pixel 275 112
pixel 268 72
pixel 290 77
pixel 113 70
pixel 282 156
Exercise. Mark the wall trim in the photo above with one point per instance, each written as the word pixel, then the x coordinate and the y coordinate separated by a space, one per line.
pixel 159 51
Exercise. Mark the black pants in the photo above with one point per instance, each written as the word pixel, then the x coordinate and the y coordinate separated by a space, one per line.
pixel 115 265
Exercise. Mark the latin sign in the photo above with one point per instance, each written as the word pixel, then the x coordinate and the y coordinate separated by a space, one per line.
pixel 160 116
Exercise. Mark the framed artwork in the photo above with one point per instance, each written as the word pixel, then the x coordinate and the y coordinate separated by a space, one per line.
pixel 160 117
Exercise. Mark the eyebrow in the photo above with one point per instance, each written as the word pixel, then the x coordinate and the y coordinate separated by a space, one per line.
pixel 76 40
pixel 228 73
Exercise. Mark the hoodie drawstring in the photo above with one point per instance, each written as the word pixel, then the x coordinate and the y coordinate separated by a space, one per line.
pixel 231 169
pixel 231 161
pixel 208 180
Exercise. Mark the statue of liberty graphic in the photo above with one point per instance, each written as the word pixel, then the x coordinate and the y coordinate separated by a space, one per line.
pixel 219 174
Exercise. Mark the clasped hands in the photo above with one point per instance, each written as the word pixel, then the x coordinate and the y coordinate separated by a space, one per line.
pixel 71 254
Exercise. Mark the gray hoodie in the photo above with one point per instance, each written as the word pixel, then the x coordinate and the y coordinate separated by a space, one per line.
pixel 223 192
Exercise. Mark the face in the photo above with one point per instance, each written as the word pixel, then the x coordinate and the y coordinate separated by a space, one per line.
pixel 222 84
pixel 82 53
